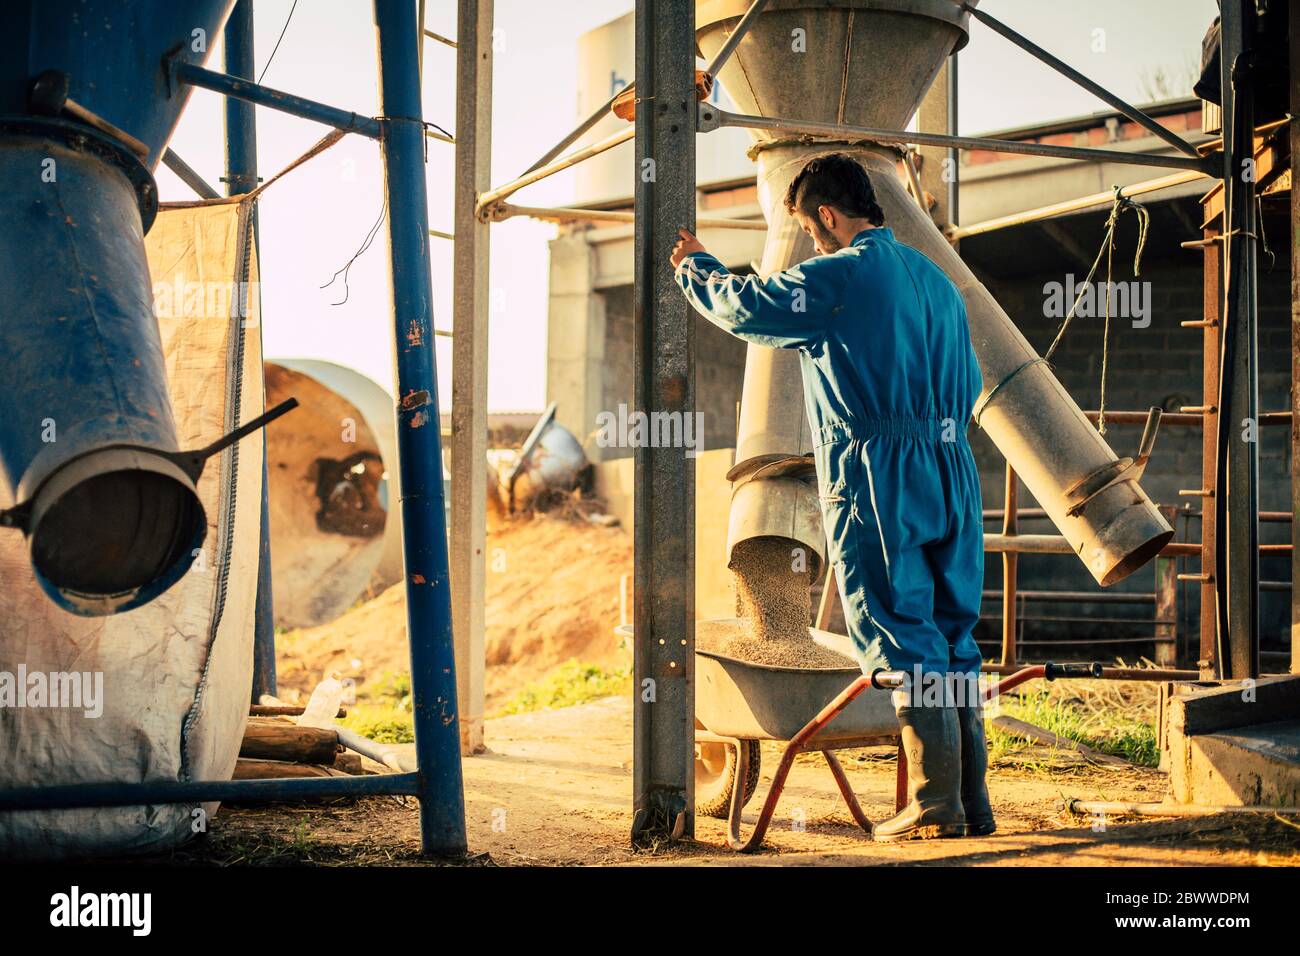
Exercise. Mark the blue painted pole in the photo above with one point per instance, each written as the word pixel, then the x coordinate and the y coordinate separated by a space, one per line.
pixel 424 531
pixel 192 75
pixel 241 177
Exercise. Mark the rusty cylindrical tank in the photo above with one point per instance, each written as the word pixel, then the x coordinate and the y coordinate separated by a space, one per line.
pixel 332 482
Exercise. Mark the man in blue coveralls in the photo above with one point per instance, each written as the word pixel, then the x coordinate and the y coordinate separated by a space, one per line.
pixel 890 380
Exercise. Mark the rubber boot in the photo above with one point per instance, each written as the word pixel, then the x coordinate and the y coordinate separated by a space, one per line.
pixel 974 771
pixel 932 744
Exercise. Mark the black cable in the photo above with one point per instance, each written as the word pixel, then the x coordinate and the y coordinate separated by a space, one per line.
pixel 283 30
pixel 370 238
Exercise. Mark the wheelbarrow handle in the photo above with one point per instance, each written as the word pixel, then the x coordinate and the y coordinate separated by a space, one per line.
pixel 1057 671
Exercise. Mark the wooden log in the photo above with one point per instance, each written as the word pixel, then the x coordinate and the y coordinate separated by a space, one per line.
pixel 348 762
pixel 251 769
pixel 274 738
pixel 285 710
pixel 248 769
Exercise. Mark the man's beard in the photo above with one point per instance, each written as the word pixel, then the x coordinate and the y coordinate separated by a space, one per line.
pixel 826 242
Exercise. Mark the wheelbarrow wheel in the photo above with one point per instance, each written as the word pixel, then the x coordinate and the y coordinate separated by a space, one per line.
pixel 715 775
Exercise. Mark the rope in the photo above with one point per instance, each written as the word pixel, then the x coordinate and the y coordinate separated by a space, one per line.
pixel 328 140
pixel 1263 238
pixel 1121 204
pixel 347 267
pixel 979 410
pixel 325 142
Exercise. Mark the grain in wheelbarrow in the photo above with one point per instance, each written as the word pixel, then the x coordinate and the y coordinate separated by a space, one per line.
pixel 774 607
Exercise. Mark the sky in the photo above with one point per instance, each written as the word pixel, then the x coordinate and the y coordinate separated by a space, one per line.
pixel 315 219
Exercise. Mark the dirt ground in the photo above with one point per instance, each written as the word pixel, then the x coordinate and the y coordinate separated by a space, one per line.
pixel 527 631
pixel 555 789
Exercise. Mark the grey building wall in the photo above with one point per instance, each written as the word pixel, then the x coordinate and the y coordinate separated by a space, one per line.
pixel 719 371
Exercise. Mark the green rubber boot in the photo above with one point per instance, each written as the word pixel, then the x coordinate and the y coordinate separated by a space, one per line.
pixel 974 771
pixel 932 744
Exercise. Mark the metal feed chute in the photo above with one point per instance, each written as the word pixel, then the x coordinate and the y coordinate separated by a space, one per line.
pixel 88 446
pixel 869 63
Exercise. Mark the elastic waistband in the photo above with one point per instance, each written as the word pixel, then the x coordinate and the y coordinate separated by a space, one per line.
pixel 935 429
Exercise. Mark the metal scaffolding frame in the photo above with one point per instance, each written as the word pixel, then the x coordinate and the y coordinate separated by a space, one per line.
pixel 666 123
pixel 400 130
pixel 664 357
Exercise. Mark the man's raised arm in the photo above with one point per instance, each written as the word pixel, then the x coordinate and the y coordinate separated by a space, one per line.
pixel 789 310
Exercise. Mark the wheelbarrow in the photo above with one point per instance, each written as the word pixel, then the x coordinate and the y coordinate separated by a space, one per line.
pixel 739 704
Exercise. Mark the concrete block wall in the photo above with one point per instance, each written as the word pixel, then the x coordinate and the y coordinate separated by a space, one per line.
pixel 1157 365
pixel 719 371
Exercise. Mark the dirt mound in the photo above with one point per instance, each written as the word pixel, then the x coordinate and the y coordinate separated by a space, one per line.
pixel 552 595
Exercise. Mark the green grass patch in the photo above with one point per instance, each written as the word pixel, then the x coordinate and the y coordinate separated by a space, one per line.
pixel 382 723
pixel 571 683
pixel 382 710
pixel 1110 730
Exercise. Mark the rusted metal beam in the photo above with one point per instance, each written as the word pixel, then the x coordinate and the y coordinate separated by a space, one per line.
pixel 1057 544
pixel 1081 204
pixel 1295 336
pixel 1166 611
pixel 504 210
pixel 1237 500
pixel 489 198
pixel 1010 566
pixel 712 117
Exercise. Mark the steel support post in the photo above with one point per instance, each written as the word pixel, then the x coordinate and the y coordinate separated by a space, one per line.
pixel 664 370
pixel 938 114
pixel 241 177
pixel 469 358
pixel 424 531
pixel 1238 500
pixel 1295 337
pixel 1166 603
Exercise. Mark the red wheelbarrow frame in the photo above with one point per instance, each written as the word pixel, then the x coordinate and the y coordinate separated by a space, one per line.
pixel 800 744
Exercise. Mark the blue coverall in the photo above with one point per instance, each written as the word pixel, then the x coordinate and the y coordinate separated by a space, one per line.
pixel 890 380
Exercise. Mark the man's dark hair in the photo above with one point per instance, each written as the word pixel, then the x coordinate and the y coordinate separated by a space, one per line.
pixel 835 180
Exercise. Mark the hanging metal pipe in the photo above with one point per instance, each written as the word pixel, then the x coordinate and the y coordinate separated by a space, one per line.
pixel 1096 503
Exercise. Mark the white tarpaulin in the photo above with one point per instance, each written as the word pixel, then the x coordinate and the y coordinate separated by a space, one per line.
pixel 176 674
